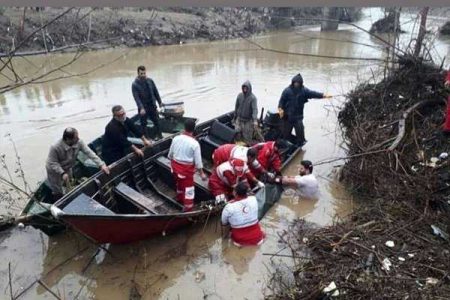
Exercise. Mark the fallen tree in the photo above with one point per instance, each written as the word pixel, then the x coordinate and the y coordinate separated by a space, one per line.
pixel 396 243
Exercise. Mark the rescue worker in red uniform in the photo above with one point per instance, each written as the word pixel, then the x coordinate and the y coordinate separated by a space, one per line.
pixel 241 214
pixel 230 151
pixel 185 157
pixel 226 176
pixel 269 159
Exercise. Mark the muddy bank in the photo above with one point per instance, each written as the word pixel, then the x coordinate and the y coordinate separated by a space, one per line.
pixel 134 27
pixel 396 244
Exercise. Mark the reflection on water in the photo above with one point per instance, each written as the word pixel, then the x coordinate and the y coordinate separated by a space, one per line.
pixel 196 262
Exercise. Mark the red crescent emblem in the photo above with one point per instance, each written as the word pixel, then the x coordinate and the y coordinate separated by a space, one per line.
pixel 245 209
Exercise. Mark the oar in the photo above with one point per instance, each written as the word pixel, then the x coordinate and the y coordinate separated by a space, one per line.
pixel 173 103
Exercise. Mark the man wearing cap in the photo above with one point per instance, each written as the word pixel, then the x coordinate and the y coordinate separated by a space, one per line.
pixel 146 95
pixel 290 107
pixel 185 157
pixel 62 157
pixel 241 214
pixel 305 181
pixel 226 176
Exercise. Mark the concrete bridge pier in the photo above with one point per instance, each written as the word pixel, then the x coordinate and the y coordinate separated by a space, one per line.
pixel 330 13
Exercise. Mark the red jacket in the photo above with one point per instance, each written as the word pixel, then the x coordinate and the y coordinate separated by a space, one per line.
pixel 222 154
pixel 268 156
pixel 223 179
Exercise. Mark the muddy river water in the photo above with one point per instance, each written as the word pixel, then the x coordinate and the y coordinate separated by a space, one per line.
pixel 196 262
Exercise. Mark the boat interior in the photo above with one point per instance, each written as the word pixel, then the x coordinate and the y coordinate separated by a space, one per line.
pixel 145 186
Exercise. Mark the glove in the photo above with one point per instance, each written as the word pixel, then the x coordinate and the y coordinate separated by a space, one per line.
pixel 281 112
pixel 220 199
pixel 279 180
pixel 260 184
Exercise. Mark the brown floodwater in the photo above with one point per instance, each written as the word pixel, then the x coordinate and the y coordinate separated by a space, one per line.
pixel 196 262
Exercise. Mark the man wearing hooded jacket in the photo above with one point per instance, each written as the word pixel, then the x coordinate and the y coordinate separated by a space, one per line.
pixel 246 113
pixel 290 107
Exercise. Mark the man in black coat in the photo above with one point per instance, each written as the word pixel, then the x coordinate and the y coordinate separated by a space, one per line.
pixel 291 106
pixel 115 144
pixel 146 95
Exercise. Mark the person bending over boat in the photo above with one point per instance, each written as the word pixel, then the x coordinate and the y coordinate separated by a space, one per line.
pixel 185 157
pixel 246 113
pixel 290 107
pixel 305 181
pixel 115 144
pixel 227 152
pixel 62 157
pixel 268 158
pixel 226 176
pixel 241 214
pixel 146 94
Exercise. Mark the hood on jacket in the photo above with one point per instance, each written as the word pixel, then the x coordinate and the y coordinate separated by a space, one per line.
pixel 249 86
pixel 297 78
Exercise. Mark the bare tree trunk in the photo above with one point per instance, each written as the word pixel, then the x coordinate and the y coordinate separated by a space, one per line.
pixel 43 32
pixel 422 29
pixel 22 24
pixel 89 31
pixel 396 25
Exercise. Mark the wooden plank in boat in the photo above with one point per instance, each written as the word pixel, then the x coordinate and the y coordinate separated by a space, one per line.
pixel 149 205
pixel 85 205
pixel 165 162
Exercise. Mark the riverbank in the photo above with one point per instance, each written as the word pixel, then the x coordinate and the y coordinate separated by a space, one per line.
pixel 396 243
pixel 136 27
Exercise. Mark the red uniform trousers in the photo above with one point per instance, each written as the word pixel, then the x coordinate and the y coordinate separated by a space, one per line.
pixel 183 175
pixel 218 187
pixel 248 236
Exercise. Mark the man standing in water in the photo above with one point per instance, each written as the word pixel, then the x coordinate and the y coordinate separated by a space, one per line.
pixel 146 95
pixel 241 214
pixel 246 113
pixel 62 157
pixel 290 107
pixel 305 181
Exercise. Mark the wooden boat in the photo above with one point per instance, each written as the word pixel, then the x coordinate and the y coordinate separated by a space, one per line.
pixel 37 211
pixel 137 200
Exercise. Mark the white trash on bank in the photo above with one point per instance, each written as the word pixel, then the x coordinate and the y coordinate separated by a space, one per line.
pixel 439 232
pixel 390 244
pixel 332 287
pixel 443 155
pixel 387 264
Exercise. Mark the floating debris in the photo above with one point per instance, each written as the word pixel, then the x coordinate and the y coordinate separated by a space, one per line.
pixel 199 276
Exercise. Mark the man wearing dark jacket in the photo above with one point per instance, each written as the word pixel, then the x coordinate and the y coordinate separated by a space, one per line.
pixel 146 95
pixel 115 144
pixel 290 107
pixel 246 113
